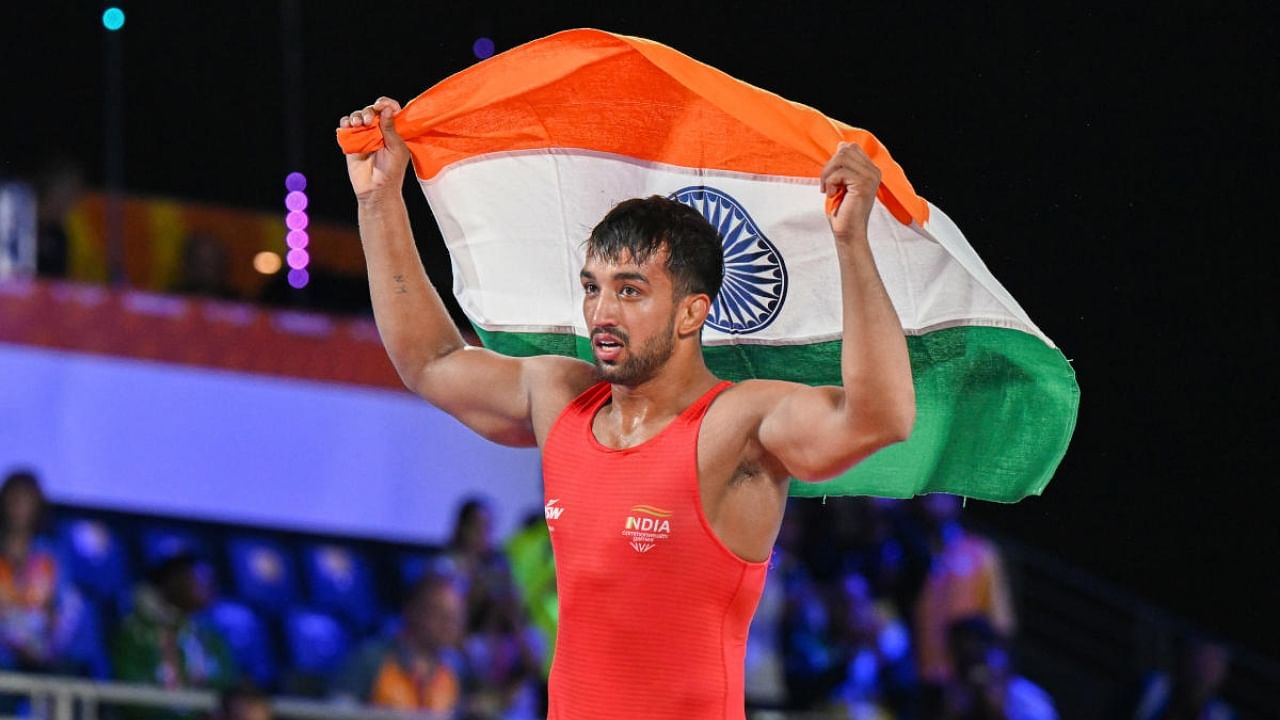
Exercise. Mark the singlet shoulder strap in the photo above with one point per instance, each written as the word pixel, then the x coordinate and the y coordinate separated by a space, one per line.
pixel 579 411
pixel 589 402
pixel 699 406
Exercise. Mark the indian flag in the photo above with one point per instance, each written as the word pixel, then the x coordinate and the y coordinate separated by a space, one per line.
pixel 522 154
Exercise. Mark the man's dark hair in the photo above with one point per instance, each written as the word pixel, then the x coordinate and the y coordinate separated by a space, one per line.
pixel 643 226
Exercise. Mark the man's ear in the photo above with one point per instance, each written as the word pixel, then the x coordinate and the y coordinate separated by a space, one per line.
pixel 693 314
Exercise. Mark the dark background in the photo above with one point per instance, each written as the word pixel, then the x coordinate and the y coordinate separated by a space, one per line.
pixel 1114 167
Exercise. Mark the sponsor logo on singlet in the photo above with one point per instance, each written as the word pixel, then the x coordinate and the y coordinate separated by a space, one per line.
pixel 552 511
pixel 646 526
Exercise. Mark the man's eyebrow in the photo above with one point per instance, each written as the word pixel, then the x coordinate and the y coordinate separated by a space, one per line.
pixel 631 275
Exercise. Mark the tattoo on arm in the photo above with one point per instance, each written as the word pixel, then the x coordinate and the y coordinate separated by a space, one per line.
pixel 400 287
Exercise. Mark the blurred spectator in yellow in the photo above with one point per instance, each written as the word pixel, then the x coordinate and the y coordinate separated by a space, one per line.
pixel 39 610
pixel 420 667
pixel 966 578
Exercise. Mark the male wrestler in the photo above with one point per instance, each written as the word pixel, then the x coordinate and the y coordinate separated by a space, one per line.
pixel 665 486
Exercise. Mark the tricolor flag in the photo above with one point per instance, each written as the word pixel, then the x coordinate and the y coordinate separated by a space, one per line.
pixel 522 154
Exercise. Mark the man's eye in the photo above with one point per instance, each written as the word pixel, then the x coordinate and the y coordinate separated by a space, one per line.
pixel 630 291
pixel 589 289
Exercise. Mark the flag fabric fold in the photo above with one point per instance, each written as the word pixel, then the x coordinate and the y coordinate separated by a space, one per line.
pixel 520 155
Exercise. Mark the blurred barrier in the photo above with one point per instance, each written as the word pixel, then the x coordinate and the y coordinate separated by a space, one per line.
pixel 64 698
pixel 1087 642
pixel 192 331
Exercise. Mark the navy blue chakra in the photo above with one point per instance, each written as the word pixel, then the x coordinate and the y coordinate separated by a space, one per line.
pixel 755 278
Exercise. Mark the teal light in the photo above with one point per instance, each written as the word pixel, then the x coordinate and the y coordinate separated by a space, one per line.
pixel 113 19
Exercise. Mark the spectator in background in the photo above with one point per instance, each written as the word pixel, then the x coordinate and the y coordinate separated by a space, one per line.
pixel 982 684
pixel 242 702
pixel 533 569
pixel 1191 691
pixel 476 559
pixel 506 656
pixel 39 610
pixel 765 671
pixel 875 670
pixel 59 187
pixel 420 667
pixel 161 642
pixel 966 578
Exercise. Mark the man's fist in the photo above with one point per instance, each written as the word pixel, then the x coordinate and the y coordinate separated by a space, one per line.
pixel 382 171
pixel 850 181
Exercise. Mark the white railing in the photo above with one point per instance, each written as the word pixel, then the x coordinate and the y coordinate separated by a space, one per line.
pixel 66 698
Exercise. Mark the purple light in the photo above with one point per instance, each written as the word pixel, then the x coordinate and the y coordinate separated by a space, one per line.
pixel 296 200
pixel 298 259
pixel 295 182
pixel 298 278
pixel 482 47
pixel 296 220
pixel 297 239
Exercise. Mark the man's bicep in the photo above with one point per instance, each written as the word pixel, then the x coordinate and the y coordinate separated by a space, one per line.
pixel 483 390
pixel 808 431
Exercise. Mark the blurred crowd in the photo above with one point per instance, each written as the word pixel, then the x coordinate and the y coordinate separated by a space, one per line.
pixel 873 609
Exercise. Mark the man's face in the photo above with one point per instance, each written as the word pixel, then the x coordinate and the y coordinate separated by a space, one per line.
pixel 630 313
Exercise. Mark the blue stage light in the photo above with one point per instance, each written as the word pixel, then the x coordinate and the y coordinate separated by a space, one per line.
pixel 113 19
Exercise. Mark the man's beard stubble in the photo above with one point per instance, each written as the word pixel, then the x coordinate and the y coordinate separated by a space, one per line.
pixel 641 366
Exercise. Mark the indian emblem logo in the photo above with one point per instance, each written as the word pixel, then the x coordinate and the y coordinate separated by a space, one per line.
pixel 645 526
pixel 755 278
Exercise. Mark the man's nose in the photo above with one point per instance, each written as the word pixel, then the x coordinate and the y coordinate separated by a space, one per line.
pixel 604 311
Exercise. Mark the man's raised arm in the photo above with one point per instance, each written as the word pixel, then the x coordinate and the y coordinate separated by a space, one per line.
pixel 490 393
pixel 819 432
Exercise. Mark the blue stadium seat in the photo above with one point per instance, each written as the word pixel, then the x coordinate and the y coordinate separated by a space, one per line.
pixel 414 565
pixel 316 642
pixel 247 636
pixel 263 574
pixel 87 650
pixel 97 559
pixel 339 581
pixel 164 541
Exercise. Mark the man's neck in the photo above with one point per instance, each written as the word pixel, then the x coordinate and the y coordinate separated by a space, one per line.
pixel 675 387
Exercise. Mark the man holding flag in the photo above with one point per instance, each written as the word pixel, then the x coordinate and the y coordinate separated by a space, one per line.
pixel 665 486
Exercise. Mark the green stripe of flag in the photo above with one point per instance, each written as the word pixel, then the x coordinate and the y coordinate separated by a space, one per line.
pixel 995 408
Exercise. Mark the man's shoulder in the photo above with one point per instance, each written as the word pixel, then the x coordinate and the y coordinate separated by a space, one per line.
pixel 754 396
pixel 558 377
